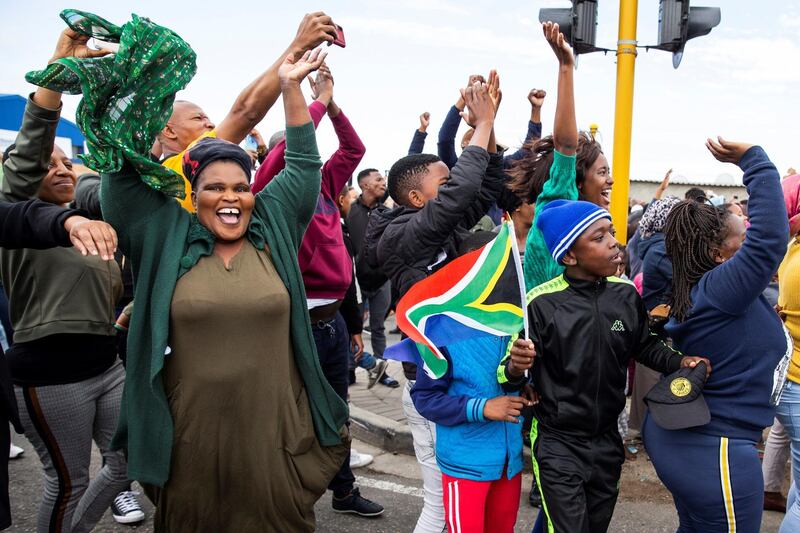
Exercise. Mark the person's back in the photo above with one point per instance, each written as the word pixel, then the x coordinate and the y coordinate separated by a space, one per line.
pixel 656 271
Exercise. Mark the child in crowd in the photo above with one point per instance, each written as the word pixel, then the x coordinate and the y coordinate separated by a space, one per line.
pixel 478 442
pixel 586 324
pixel 437 207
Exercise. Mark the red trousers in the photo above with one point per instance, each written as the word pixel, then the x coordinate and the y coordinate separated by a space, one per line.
pixel 481 506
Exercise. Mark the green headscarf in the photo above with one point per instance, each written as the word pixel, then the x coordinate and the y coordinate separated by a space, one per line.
pixel 127 96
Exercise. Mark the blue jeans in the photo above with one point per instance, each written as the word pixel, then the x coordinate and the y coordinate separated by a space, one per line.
pixel 367 361
pixel 333 349
pixel 788 412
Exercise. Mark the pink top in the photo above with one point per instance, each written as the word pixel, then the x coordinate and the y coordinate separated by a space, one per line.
pixel 324 262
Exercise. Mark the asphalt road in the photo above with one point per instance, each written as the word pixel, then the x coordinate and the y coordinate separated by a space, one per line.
pixel 391 480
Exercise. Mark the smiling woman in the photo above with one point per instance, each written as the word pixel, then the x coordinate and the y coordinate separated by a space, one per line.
pixel 220 293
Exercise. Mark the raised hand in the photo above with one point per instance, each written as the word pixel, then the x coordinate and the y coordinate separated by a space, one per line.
pixel 480 109
pixel 424 121
pixel 536 97
pixel 73 44
pixel 727 151
pixel 495 93
pixel 324 82
pixel 559 44
pixel 315 28
pixel 293 72
pixel 92 237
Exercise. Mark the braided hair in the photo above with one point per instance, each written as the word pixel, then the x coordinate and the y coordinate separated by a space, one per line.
pixel 693 235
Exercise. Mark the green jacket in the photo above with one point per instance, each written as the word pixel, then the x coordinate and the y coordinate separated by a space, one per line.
pixel 163 241
pixel 57 290
pixel 539 264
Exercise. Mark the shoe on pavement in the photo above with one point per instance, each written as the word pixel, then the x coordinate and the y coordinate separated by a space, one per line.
pixel 15 452
pixel 354 503
pixel 389 381
pixel 535 497
pixel 358 460
pixel 126 508
pixel 377 372
pixel 774 501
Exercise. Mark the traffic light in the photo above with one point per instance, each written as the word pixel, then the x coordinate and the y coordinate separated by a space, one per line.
pixel 578 24
pixel 678 22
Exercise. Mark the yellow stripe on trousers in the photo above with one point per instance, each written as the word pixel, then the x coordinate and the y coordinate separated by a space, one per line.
pixel 534 436
pixel 725 480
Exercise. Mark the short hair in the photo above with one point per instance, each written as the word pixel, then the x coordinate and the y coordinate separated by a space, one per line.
pixel 508 201
pixel 695 193
pixel 406 175
pixel 276 138
pixel 364 173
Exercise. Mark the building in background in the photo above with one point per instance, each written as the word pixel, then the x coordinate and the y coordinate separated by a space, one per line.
pixel 12 108
pixel 725 185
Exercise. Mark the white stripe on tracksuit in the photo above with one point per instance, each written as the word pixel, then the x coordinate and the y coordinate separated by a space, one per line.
pixel 454 508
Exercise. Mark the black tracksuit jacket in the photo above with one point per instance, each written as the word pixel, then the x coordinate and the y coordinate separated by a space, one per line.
pixel 584 334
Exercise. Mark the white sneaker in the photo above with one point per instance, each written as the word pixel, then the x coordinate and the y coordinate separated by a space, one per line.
pixel 126 508
pixel 15 452
pixel 357 460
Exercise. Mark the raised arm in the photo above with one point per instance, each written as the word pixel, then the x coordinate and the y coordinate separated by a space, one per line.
pixel 340 166
pixel 420 134
pixel 257 98
pixel 565 129
pixel 446 145
pixel 737 282
pixel 534 133
pixel 296 188
pixel 440 216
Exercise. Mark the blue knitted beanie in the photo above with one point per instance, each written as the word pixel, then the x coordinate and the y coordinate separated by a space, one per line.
pixel 562 222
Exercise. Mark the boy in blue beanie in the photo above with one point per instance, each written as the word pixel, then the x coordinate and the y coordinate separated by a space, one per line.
pixel 585 325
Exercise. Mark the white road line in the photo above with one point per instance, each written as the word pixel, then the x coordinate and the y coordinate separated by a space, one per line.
pixel 390 486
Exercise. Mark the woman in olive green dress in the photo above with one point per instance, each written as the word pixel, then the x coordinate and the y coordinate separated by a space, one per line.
pixel 220 337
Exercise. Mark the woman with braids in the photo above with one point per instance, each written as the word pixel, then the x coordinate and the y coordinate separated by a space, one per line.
pixel 718 310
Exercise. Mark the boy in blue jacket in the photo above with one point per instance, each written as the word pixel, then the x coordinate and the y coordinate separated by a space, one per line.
pixel 585 324
pixel 478 437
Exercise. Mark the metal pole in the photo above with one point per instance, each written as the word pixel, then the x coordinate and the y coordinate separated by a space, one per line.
pixel 623 116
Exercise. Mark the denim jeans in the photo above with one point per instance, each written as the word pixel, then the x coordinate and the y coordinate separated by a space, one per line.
pixel 431 520
pixel 367 361
pixel 379 302
pixel 776 454
pixel 788 412
pixel 333 350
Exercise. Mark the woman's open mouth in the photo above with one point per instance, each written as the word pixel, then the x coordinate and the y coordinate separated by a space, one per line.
pixel 606 195
pixel 229 215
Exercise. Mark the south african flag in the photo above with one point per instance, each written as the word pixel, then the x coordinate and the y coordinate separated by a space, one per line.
pixel 479 293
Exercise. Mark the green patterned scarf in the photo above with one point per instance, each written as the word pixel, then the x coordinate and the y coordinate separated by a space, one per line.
pixel 127 96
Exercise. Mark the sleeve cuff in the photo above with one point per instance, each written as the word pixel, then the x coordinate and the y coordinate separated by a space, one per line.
pixel 475 409
pixel 753 155
pixel 43 113
pixel 302 139
pixel 559 155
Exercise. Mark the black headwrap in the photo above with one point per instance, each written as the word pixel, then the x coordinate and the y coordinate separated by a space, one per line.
pixel 210 149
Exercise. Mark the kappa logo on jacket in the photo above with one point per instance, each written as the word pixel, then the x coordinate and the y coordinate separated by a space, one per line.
pixel 618 326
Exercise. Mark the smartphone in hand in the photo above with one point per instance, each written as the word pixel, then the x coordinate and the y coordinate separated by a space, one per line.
pixel 339 41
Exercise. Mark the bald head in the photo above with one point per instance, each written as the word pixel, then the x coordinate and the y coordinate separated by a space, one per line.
pixel 187 122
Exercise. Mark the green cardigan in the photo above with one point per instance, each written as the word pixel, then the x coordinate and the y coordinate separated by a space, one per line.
pixel 162 242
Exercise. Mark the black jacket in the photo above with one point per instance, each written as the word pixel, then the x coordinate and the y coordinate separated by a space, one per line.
pixel 410 244
pixel 369 278
pixel 33 224
pixel 585 333
pixel 350 310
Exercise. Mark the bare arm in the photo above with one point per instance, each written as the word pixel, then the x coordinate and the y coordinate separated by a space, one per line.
pixel 257 98
pixel 565 129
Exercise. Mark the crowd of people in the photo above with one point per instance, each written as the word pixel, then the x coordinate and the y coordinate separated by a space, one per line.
pixel 135 317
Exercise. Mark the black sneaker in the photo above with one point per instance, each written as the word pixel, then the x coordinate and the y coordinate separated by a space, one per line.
pixel 389 381
pixel 126 508
pixel 356 504
pixel 535 497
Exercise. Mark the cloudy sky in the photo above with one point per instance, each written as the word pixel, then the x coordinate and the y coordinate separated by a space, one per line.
pixel 403 58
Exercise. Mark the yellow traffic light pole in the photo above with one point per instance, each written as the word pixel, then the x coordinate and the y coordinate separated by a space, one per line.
pixel 623 116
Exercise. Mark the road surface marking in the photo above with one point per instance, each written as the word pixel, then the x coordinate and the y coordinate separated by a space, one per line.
pixel 390 486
